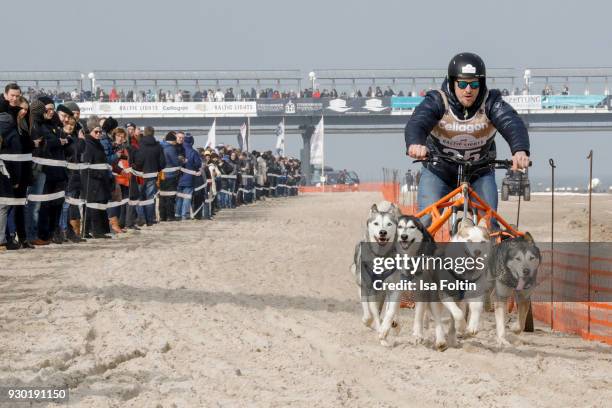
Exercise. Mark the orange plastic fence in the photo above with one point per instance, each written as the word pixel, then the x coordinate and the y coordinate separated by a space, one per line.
pixel 590 320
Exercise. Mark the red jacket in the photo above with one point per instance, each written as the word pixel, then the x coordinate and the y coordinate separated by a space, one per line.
pixel 134 146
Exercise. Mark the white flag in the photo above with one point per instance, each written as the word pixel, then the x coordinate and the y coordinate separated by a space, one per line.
pixel 316 144
pixel 212 136
pixel 280 139
pixel 243 135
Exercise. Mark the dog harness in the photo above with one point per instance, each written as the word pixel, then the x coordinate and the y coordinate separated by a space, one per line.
pixel 367 265
pixel 461 277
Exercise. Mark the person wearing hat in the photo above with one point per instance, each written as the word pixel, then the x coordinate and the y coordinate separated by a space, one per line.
pixel 64 113
pixel 46 127
pixel 76 112
pixel 198 203
pixel 74 108
pixel 130 127
pixel 187 181
pixel 108 125
pixel 462 118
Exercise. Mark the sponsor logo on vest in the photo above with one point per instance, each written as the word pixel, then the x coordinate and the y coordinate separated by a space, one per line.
pixel 463 142
pixel 463 127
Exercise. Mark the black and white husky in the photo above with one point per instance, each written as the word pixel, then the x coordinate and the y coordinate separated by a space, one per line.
pixel 514 269
pixel 415 241
pixel 380 306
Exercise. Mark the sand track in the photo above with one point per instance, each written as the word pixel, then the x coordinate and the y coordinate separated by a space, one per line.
pixel 257 308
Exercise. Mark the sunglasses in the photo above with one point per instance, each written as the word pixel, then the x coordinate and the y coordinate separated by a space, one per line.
pixel 95 131
pixel 472 84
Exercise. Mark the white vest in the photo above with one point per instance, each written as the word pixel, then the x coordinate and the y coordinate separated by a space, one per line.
pixel 468 137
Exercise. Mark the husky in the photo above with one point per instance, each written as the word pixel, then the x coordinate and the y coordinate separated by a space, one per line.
pixel 476 241
pixel 513 268
pixel 379 307
pixel 413 239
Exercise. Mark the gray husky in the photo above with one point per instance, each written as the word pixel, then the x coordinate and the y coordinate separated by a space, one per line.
pixel 471 241
pixel 379 307
pixel 514 269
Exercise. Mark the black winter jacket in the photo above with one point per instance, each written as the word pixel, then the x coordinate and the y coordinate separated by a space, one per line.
pixel 431 110
pixel 51 147
pixel 27 146
pixel 149 158
pixel 11 144
pixel 74 154
pixel 95 184
pixel 23 174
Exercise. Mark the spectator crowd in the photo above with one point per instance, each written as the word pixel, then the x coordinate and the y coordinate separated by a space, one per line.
pixel 63 179
pixel 209 95
pixel 229 95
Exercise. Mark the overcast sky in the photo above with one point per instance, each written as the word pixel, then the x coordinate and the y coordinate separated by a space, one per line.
pixel 238 34
pixel 247 34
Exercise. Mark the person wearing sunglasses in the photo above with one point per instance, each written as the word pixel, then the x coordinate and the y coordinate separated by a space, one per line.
pixel 95 183
pixel 462 118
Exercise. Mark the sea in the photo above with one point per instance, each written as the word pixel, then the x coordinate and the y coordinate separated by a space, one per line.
pixel 368 153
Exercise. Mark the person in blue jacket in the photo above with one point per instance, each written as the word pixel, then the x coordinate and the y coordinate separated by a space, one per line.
pixel 462 118
pixel 192 165
pixel 169 182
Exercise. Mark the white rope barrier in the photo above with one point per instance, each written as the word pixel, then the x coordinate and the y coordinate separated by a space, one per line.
pixel 105 166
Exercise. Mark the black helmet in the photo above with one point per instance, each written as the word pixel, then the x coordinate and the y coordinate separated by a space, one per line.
pixel 466 65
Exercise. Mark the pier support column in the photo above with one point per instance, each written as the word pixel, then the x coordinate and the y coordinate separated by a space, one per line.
pixel 307 131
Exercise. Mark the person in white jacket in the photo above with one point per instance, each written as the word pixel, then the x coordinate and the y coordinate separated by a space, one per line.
pixel 261 171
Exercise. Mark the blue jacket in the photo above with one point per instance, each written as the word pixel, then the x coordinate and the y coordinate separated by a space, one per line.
pixel 107 144
pixel 431 110
pixel 171 156
pixel 193 162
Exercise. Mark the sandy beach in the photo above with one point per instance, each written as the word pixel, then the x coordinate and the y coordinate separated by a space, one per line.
pixel 258 309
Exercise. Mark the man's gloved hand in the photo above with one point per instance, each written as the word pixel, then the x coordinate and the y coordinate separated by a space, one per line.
pixel 417 152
